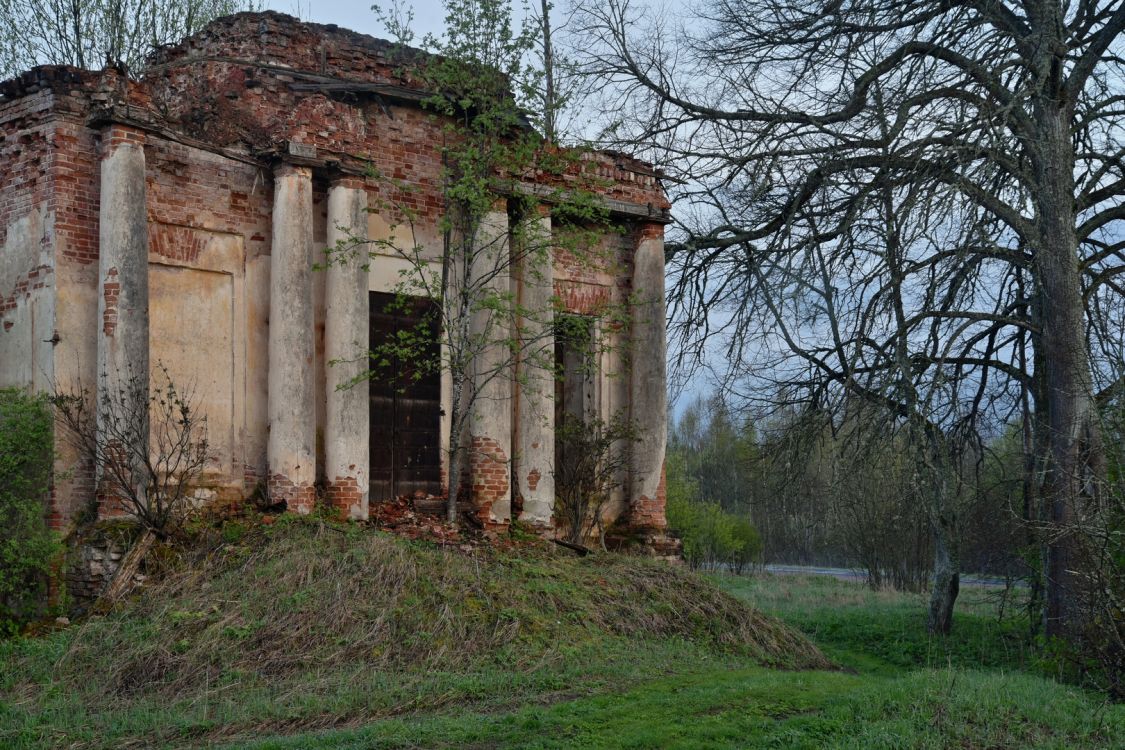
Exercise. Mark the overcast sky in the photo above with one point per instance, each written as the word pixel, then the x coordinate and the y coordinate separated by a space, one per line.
pixel 358 16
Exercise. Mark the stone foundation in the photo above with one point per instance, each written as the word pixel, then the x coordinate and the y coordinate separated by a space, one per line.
pixel 93 557
pixel 297 498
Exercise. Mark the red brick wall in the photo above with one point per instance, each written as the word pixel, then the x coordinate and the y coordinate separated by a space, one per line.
pixel 245 98
pixel 298 498
pixel 626 179
pixel 343 494
pixel 250 102
pixel 648 512
pixel 488 475
pixel 587 282
pixel 26 156
pixel 189 187
pixel 76 193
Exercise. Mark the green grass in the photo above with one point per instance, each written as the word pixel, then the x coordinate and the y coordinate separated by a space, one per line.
pixel 758 708
pixel 307 637
pixel 974 689
pixel 304 625
pixel 885 631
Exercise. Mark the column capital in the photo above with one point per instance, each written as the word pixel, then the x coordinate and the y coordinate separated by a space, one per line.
pixel 115 135
pixel 650 230
pixel 286 169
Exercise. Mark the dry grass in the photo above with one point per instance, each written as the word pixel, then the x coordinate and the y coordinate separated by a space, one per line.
pixel 313 595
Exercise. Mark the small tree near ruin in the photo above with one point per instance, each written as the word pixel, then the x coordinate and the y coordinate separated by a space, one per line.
pixel 492 226
pixel 589 468
pixel 148 448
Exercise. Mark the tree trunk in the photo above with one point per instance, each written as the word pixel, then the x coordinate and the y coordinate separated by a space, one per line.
pixel 456 455
pixel 1071 441
pixel 947 580
pixel 550 95
pixel 122 580
pixel 455 462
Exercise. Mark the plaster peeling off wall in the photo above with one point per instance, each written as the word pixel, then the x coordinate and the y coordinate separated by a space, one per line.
pixel 195 306
pixel 190 334
pixel 27 319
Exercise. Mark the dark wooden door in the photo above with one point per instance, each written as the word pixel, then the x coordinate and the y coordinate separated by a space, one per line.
pixel 405 401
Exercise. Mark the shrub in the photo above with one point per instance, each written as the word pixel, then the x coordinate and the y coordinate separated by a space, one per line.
pixel 27 546
pixel 148 440
pixel 713 537
pixel 748 544
pixel 590 466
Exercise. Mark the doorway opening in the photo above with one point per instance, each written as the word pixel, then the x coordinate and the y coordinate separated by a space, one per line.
pixel 405 395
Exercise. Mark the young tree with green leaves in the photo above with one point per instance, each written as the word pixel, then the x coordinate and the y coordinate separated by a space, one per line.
pixel 493 224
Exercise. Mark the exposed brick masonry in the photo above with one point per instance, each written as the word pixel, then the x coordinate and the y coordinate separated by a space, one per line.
pixel 111 290
pixel 488 474
pixel 343 494
pixel 298 498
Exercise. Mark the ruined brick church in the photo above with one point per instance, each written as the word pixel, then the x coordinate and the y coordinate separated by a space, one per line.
pixel 178 219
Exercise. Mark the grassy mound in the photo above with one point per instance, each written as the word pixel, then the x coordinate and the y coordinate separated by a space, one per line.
pixel 304 624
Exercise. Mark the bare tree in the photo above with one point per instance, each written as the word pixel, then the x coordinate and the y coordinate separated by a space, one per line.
pixel 93 33
pixel 1011 109
pixel 590 467
pixel 148 448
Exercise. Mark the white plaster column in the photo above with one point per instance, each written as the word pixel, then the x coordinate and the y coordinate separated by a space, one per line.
pixel 291 405
pixel 122 341
pixel 535 420
pixel 347 427
pixel 647 379
pixel 490 420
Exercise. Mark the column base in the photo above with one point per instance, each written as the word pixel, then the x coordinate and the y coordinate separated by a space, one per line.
pixel 298 498
pixel 490 483
pixel 344 495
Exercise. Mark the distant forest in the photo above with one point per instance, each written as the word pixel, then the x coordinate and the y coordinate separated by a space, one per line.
pixel 821 492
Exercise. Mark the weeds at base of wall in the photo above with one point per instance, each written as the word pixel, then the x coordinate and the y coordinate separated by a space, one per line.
pixel 29 552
